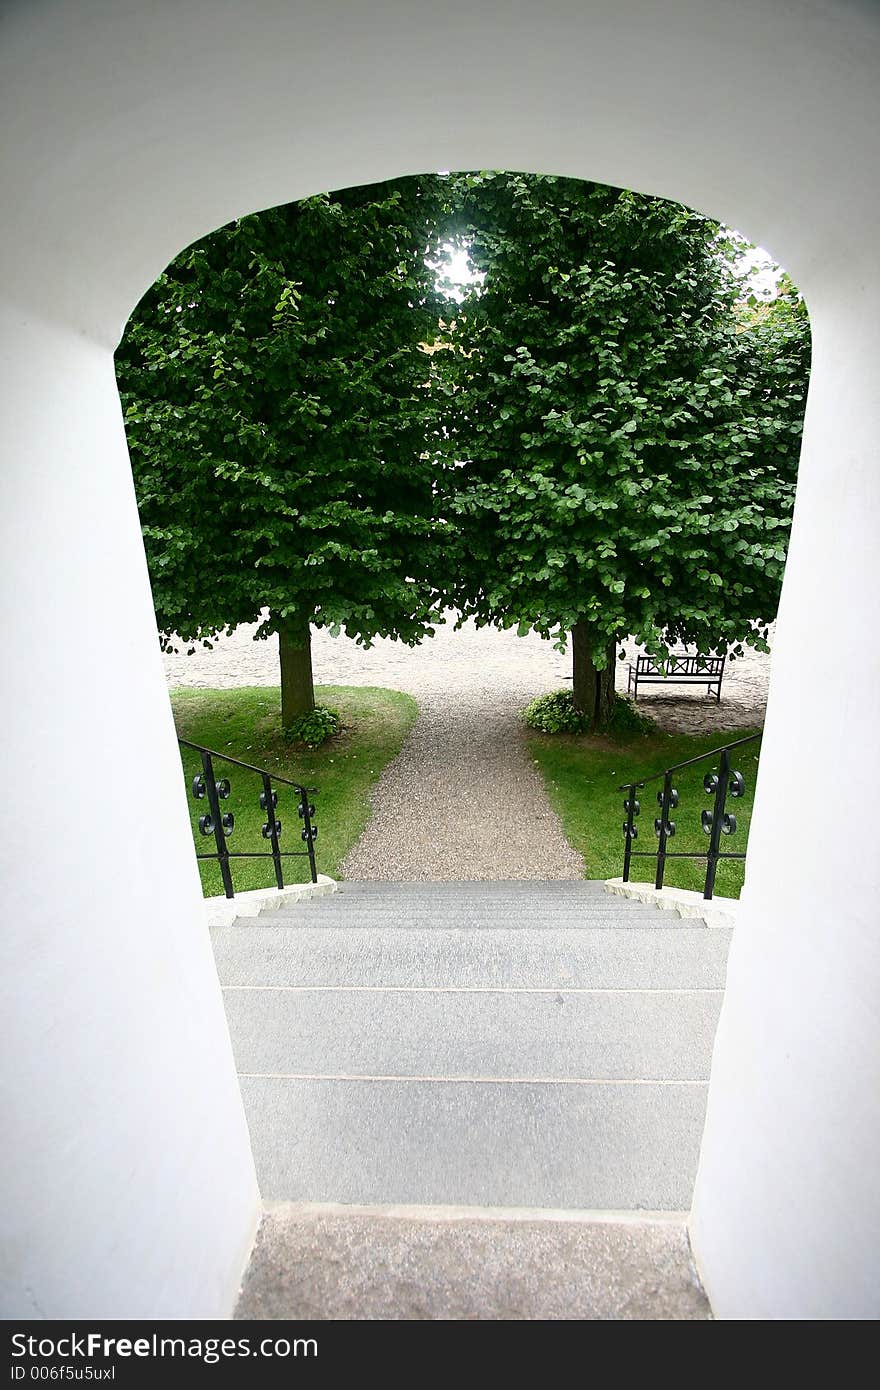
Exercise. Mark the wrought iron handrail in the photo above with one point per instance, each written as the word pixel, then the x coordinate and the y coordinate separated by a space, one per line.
pixel 185 743
pixel 221 824
pixel 688 762
pixel 717 822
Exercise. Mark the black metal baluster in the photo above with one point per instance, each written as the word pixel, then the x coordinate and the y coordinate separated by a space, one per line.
pixel 212 822
pixel 665 799
pixel 309 832
pixel 632 808
pixel 722 785
pixel 272 828
pixel 717 822
pixel 217 826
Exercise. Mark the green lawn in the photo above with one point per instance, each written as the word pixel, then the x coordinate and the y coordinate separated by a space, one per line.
pixel 245 724
pixel 582 776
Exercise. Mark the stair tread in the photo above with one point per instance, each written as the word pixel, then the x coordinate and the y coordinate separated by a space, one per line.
pixel 400 921
pixel 552 957
pixel 529 1043
pixel 654 1035
pixel 533 1144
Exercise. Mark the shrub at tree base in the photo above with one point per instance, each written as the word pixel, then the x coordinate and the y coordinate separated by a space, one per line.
pixel 557 714
pixel 316 727
pixel 626 719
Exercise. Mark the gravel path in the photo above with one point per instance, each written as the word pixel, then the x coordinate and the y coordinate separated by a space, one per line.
pixel 463 800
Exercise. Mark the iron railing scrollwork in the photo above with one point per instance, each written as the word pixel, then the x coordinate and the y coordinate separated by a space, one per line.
pixel 721 783
pixel 206 786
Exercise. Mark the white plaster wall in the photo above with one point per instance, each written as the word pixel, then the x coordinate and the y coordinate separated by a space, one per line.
pixel 786 1212
pixel 127 1178
pixel 129 130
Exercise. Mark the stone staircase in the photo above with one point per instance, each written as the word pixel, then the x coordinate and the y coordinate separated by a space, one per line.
pixel 503 1045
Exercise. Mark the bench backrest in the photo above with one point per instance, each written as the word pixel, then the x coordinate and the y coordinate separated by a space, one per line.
pixel 680 664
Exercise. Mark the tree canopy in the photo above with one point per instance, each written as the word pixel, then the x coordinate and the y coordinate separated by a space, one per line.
pixel 273 383
pixel 606 444
pixel 623 435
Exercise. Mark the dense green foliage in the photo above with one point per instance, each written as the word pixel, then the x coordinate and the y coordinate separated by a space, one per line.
pixel 273 382
pixel 244 724
pixel 623 439
pixel 316 727
pixel 605 445
pixel 555 714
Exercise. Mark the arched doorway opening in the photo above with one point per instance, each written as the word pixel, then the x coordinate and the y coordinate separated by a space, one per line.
pixel 134 157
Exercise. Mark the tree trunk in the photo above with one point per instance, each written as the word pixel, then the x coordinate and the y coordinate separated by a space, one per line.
pixel 593 690
pixel 297 687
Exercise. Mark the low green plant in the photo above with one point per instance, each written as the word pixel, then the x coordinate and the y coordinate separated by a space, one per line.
pixel 555 714
pixel 316 727
pixel 627 719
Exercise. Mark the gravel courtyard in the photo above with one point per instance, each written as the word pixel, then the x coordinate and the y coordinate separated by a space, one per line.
pixel 463 800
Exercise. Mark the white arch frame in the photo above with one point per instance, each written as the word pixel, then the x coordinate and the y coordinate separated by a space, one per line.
pixel 129 130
